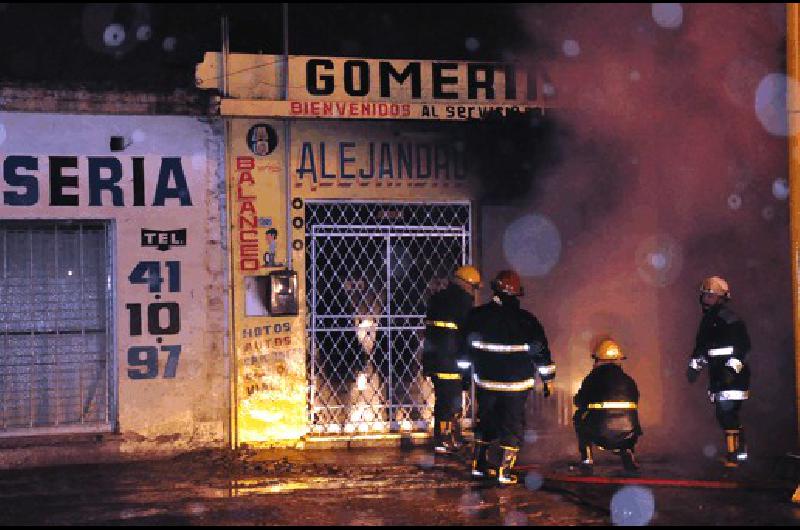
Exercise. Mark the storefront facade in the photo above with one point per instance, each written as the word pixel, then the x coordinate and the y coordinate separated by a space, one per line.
pixel 112 319
pixel 349 187
pixel 252 273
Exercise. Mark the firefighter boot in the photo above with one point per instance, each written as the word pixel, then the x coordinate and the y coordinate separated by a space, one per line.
pixel 479 464
pixel 509 458
pixel 629 461
pixel 741 453
pixel 451 437
pixel 732 447
pixel 586 465
pixel 456 440
pixel 441 435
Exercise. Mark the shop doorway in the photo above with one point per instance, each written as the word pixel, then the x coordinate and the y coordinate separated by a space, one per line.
pixel 371 267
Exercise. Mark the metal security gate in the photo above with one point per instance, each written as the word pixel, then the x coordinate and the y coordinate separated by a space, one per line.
pixel 55 340
pixel 371 268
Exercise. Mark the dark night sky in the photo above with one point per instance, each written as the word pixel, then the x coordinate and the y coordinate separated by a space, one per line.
pixel 67 44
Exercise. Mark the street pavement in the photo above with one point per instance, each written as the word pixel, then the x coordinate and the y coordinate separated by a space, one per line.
pixel 384 486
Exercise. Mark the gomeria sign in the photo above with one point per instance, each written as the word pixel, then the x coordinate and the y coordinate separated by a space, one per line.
pixel 326 87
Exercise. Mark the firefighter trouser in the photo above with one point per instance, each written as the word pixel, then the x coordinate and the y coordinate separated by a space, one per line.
pixel 501 417
pixel 598 428
pixel 728 414
pixel 584 437
pixel 448 398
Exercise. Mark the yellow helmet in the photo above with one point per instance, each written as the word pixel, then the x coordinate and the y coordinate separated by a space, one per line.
pixel 469 274
pixel 608 350
pixel 715 285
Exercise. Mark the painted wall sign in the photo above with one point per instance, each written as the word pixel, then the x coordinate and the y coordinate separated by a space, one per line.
pixel 378 164
pixel 92 181
pixel 270 386
pixel 367 111
pixel 396 89
pixel 162 318
pixel 327 109
pixel 247 215
pixel 404 80
pixel 380 160
pixel 163 239
pixel 262 139
pixel 266 330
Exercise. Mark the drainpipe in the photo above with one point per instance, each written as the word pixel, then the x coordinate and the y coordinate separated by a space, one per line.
pixel 225 52
pixel 793 108
pixel 287 139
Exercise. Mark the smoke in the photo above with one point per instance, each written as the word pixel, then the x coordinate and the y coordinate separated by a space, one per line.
pixel 671 167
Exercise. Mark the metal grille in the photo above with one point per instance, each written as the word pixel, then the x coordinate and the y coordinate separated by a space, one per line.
pixel 55 285
pixel 371 270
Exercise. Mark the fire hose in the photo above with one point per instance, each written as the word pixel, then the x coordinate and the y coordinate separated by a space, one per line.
pixel 649 481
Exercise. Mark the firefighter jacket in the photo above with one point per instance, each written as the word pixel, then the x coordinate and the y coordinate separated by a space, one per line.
pixel 722 343
pixel 507 346
pixel 607 405
pixel 441 350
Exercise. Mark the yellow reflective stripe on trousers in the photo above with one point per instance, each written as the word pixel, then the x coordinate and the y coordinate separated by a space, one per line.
pixel 730 395
pixel 447 376
pixel 613 405
pixel 502 386
pixel 441 324
pixel 720 352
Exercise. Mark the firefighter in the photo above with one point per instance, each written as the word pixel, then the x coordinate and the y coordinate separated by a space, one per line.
pixel 441 354
pixel 607 405
pixel 722 343
pixel 507 346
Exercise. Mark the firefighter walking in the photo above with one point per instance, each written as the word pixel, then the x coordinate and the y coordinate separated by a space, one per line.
pixel 507 346
pixel 607 404
pixel 722 343
pixel 442 352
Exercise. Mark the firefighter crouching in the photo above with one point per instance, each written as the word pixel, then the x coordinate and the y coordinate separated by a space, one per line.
pixel 607 404
pixel 442 352
pixel 506 345
pixel 722 343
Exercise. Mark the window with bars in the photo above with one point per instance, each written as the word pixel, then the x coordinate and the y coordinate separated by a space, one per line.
pixel 55 336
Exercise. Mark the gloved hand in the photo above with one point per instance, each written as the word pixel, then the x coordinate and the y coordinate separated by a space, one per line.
pixel 692 374
pixel 546 389
pixel 735 365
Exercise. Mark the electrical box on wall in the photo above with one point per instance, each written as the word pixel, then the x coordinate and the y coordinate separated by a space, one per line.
pixel 282 293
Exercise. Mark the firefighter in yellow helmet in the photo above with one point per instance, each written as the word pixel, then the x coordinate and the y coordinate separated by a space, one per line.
pixel 722 343
pixel 607 404
pixel 508 347
pixel 441 354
